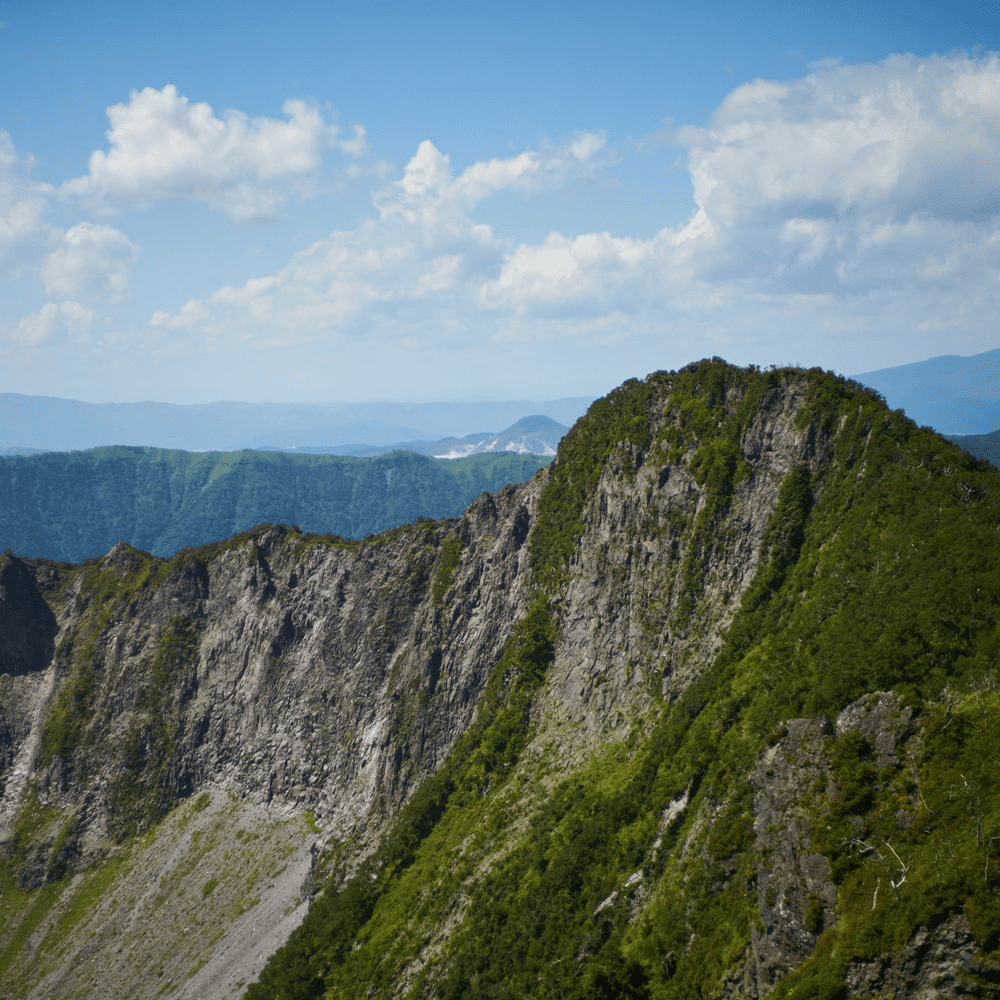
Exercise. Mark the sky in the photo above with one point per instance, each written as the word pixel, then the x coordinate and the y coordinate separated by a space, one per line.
pixel 330 202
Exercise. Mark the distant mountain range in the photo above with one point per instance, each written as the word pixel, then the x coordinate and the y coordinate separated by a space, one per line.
pixel 535 435
pixel 29 424
pixel 951 393
pixel 954 395
pixel 986 446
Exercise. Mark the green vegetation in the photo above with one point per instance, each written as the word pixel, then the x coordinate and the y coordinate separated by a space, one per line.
pixel 451 552
pixel 620 417
pixel 879 569
pixel 146 788
pixel 202 879
pixel 76 505
pixel 912 843
pixel 379 900
pixel 523 869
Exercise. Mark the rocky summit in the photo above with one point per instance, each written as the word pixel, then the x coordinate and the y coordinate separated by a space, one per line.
pixel 706 708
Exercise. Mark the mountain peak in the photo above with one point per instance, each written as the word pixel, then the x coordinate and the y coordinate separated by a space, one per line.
pixel 687 713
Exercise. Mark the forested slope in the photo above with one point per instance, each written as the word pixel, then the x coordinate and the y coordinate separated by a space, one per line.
pixel 76 505
pixel 654 868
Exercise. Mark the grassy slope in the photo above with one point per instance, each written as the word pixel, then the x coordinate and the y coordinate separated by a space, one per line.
pixel 878 571
pixel 76 505
pixel 139 908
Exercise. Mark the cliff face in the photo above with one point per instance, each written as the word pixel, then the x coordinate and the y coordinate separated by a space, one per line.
pixel 692 552
pixel 319 676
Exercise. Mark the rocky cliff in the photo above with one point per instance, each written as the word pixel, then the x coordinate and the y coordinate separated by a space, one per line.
pixel 611 733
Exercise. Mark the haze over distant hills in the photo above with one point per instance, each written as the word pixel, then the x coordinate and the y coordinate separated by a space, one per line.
pixel 51 424
pixel 951 393
pixel 535 435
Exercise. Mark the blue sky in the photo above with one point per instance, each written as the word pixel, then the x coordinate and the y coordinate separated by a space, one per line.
pixel 469 201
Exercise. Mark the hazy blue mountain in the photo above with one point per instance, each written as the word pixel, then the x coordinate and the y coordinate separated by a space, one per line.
pixel 951 393
pixel 75 505
pixel 52 424
pixel 534 435
pixel 985 446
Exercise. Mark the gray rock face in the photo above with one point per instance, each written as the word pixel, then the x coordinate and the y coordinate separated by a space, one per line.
pixel 331 678
pixel 27 625
pixel 321 678
pixel 335 678
pixel 934 963
pixel 796 900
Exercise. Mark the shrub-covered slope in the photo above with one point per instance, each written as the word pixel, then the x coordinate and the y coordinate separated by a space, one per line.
pixel 640 872
pixel 706 709
pixel 75 505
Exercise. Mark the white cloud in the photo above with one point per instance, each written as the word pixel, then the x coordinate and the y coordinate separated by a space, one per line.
pixel 24 233
pixel 54 323
pixel 92 262
pixel 191 313
pixel 427 189
pixel 855 180
pixel 855 203
pixel 423 249
pixel 163 148
pixel 845 149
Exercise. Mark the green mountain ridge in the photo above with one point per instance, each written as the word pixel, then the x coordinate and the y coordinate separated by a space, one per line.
pixel 708 708
pixel 73 506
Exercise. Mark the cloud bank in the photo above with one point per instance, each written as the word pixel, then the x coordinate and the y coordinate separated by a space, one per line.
pixel 851 190
pixel 858 204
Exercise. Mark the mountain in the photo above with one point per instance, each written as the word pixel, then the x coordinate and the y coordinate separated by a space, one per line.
pixel 534 435
pixel 51 424
pixel 985 446
pixel 954 394
pixel 76 505
pixel 706 708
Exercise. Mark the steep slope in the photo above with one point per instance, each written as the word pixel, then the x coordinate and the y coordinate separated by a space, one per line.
pixel 75 505
pixel 550 748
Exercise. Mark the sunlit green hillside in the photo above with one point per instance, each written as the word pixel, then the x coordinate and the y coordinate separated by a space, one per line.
pixel 76 505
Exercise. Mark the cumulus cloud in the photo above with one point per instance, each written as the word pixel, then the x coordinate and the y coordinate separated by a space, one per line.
pixel 24 233
pixel 424 247
pixel 791 177
pixel 853 181
pixel 162 148
pixel 54 323
pixel 854 199
pixel 92 262
pixel 428 190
